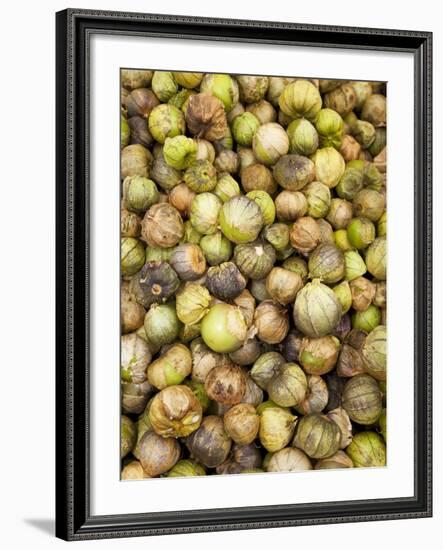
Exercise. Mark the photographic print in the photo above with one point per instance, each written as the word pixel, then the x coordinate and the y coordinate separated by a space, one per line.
pixel 253 274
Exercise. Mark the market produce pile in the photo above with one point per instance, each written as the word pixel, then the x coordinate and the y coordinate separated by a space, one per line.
pixel 253 264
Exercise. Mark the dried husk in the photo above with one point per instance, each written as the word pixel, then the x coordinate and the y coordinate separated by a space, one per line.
pixel 380 298
pixel 328 85
pixel 135 161
pixel 253 394
pixel 376 258
pixel 227 162
pixel 374 110
pixel 362 399
pixel 340 213
pixel 303 137
pixel 277 234
pixel 338 460
pixel 363 293
pixel 326 232
pixel 128 436
pixel 244 127
pixel 319 355
pixel 246 303
pixel 192 303
pixel 252 88
pixel 367 450
pixel 210 444
pixel 369 203
pixel 374 353
pixel 263 110
pixel 226 384
pixel 255 259
pixel 329 166
pixel 132 313
pixel 342 99
pixel 204 360
pixel 300 99
pixel 341 418
pixel 132 256
pixel 155 283
pixel 368 319
pixel 316 397
pixel 170 368
pixel 161 324
pixel 317 436
pixel 293 172
pixel 318 196
pixel 223 87
pixel 289 460
pixel 133 470
pixel 164 175
pixel 350 361
pixel 201 176
pixel 350 149
pixel 205 117
pixel 225 281
pixel 241 423
pixel 140 102
pixel 266 367
pixel 362 91
pixel 204 213
pixel 241 458
pixel 131 79
pixel 258 289
pixel 241 220
pixel 188 261
pixel 139 193
pixel 180 197
pixel 270 142
pixel 175 412
pixel 271 322
pixel 247 354
pixel 276 86
pixel 186 468
pixel 187 79
pixel 162 226
pixel 336 386
pixel 140 133
pixel 166 121
pixel 290 347
pixel 288 387
pixel 329 125
pixel 276 428
pixel 205 150
pixel 135 356
pixel 327 263
pixel 317 310
pixel 135 396
pixel 257 176
pixel 158 454
pixel 283 285
pixel 354 265
pixel 305 234
pixel 290 205
pixel 164 85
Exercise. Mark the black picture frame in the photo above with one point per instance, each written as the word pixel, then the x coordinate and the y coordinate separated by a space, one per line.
pixel 74 27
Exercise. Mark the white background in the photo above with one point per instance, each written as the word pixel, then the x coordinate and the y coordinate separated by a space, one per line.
pixel 27 289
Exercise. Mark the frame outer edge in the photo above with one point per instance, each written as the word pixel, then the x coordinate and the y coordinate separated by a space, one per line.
pixel 72 522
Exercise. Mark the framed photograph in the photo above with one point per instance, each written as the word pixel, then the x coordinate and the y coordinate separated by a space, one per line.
pixel 244 304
